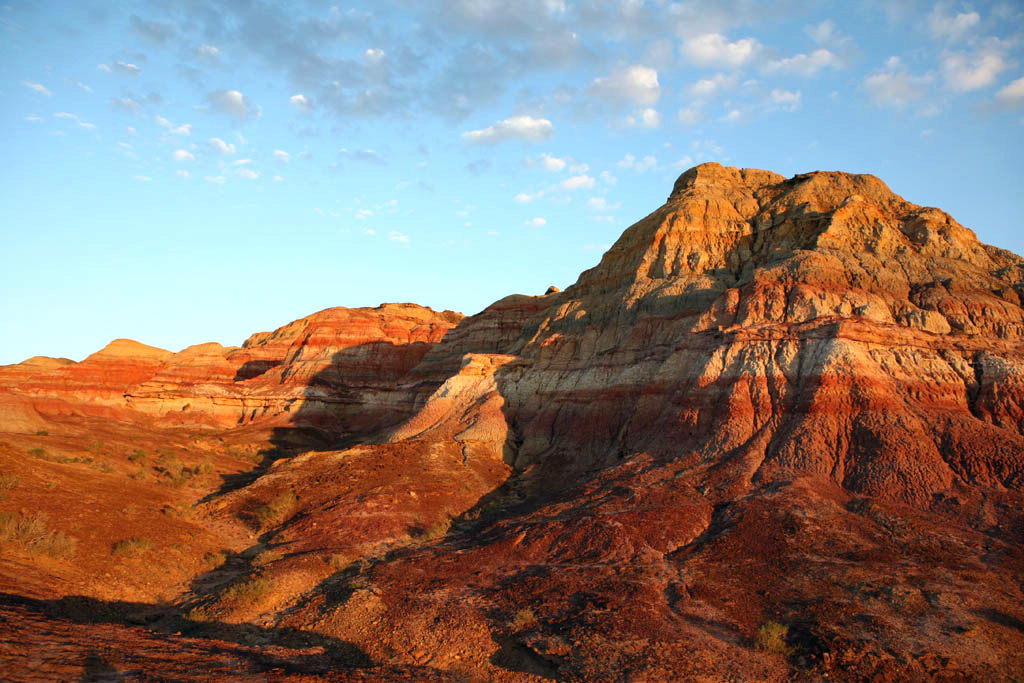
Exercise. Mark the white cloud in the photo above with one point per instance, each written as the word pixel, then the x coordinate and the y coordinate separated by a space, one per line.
pixel 787 100
pixel 1012 93
pixel 690 115
pixel 183 155
pixel 216 179
pixel 685 162
pixel 607 178
pixel 553 164
pixel 184 129
pixel 709 87
pixel 83 87
pixel 143 178
pixel 124 103
pixel 972 71
pixel 241 162
pixel 803 64
pixel 38 87
pixel 281 156
pixel 233 103
pixel 373 55
pixel 601 204
pixel 396 236
pixel 524 128
pixel 893 86
pixel 641 165
pixel 33 118
pixel 368 156
pixel 951 27
pixel 277 179
pixel 536 222
pixel 577 182
pixel 733 115
pixel 183 173
pixel 637 84
pixel 207 51
pixel 76 119
pixel 526 198
pixel 713 49
pixel 221 146
pixel 578 168
pixel 248 173
pixel 823 33
pixel 301 102
pixel 648 118
pixel 123 68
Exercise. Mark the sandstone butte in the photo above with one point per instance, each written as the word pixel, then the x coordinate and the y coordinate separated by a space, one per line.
pixel 777 433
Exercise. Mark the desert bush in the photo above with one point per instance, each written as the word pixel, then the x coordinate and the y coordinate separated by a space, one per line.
pixel 138 455
pixel 771 637
pixel 248 592
pixel 215 560
pixel 523 620
pixel 132 547
pixel 9 481
pixel 42 432
pixel 267 556
pixel 37 452
pixel 33 534
pixel 276 511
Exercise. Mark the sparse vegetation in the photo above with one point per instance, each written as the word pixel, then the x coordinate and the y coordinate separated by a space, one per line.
pixel 138 455
pixel 37 452
pixel 771 637
pixel 435 530
pixel 268 556
pixel 276 511
pixel 42 432
pixel 9 481
pixel 248 592
pixel 33 533
pixel 523 620
pixel 132 547
pixel 215 560
pixel 198 615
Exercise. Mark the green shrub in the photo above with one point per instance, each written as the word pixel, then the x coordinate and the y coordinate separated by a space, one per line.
pixel 771 637
pixel 37 452
pixel 250 591
pixel 267 556
pixel 42 432
pixel 132 547
pixel 277 510
pixel 9 481
pixel 34 535
pixel 138 455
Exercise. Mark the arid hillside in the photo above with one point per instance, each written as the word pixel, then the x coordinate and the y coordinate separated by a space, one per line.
pixel 776 433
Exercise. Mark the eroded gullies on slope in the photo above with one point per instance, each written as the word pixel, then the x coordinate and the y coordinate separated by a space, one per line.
pixel 706 457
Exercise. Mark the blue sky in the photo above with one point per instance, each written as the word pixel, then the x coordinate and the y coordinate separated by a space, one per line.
pixel 180 172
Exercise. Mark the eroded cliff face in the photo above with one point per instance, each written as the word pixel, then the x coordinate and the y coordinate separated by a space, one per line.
pixel 755 324
pixel 340 370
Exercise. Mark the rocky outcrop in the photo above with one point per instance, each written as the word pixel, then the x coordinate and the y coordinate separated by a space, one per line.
pixel 336 366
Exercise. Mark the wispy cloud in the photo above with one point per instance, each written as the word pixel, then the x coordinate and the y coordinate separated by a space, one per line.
pixel 524 128
pixel 234 104
pixel 38 87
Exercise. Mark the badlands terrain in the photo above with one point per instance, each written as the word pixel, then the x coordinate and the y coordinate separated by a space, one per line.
pixel 777 433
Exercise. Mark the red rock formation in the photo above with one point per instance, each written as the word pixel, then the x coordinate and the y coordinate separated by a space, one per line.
pixel 331 367
pixel 775 403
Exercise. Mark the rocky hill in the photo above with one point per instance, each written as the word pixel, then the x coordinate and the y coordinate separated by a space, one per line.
pixel 777 432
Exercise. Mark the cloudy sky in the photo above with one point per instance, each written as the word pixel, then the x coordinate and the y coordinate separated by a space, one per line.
pixel 184 171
